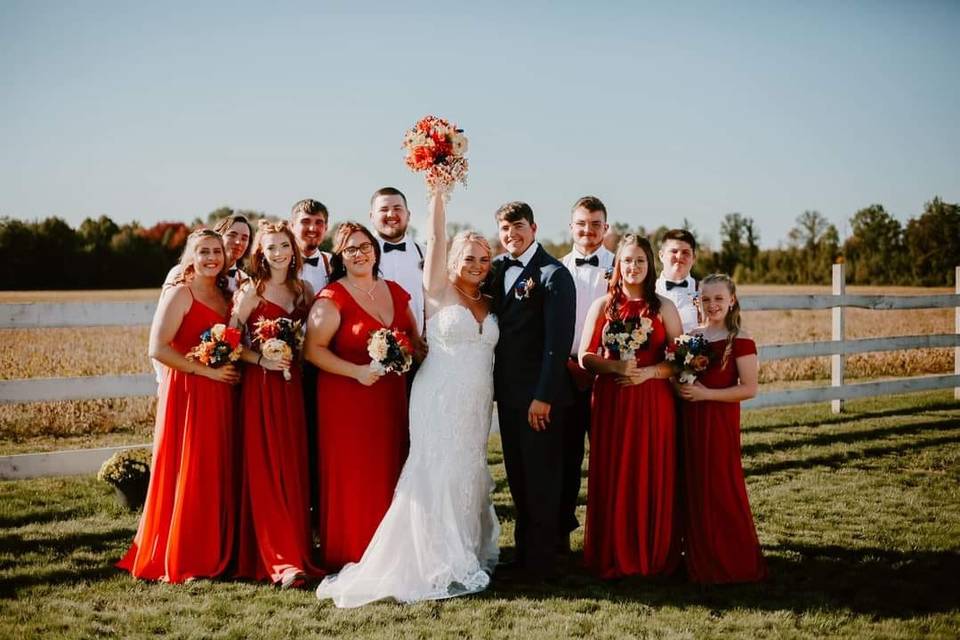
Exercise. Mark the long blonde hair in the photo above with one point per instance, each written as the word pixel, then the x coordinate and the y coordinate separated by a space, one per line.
pixel 260 269
pixel 731 321
pixel 188 269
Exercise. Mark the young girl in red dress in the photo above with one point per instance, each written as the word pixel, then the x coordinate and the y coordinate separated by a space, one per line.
pixel 720 539
pixel 187 527
pixel 631 510
pixel 274 541
pixel 362 437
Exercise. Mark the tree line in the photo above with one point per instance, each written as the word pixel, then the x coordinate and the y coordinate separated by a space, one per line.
pixel 100 254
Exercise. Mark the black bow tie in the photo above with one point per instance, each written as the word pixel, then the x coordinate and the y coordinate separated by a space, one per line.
pixel 231 272
pixel 671 285
pixel 389 246
pixel 313 262
pixel 593 261
pixel 510 262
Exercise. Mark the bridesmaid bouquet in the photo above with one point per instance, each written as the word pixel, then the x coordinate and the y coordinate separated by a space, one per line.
pixel 625 337
pixel 219 345
pixel 390 350
pixel 436 147
pixel 279 338
pixel 690 355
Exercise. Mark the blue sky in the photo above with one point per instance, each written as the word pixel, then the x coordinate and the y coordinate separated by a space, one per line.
pixel 165 111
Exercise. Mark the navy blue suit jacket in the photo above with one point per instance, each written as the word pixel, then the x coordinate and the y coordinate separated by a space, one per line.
pixel 536 331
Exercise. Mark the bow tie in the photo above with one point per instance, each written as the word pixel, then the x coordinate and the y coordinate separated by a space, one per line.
pixel 510 262
pixel 313 262
pixel 671 285
pixel 593 261
pixel 389 246
pixel 232 272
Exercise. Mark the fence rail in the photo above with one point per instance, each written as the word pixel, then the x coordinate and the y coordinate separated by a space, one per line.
pixel 89 314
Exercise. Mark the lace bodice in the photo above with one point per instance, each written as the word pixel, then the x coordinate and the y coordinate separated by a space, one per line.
pixel 455 324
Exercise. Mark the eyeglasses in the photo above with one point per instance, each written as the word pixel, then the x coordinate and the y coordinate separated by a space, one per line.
pixel 351 252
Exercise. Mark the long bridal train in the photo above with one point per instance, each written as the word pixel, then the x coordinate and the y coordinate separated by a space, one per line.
pixel 439 537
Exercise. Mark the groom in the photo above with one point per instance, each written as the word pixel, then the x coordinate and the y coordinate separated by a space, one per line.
pixel 535 301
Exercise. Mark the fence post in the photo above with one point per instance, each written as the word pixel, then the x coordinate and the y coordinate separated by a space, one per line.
pixel 956 350
pixel 837 360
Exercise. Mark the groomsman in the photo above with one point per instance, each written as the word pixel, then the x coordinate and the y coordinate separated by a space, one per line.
pixel 535 301
pixel 401 259
pixel 678 254
pixel 308 221
pixel 589 262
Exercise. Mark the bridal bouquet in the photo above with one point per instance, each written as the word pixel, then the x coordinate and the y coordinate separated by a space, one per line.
pixel 219 345
pixel 279 338
pixel 390 350
pixel 690 356
pixel 624 337
pixel 436 147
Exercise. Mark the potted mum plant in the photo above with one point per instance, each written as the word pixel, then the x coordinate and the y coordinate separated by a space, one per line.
pixel 129 473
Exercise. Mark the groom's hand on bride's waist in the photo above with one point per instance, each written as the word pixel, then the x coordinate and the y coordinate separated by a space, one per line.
pixel 538 415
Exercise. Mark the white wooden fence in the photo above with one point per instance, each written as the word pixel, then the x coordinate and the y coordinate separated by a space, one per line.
pixel 40 315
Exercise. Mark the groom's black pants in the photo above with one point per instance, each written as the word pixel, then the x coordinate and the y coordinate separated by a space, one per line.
pixel 534 463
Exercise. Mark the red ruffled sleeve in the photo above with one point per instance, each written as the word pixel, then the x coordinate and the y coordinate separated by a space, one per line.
pixel 744 347
pixel 335 293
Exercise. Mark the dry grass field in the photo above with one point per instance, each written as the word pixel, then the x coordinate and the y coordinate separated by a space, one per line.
pixel 122 350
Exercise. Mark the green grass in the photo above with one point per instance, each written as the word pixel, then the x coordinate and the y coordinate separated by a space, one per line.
pixel 858 514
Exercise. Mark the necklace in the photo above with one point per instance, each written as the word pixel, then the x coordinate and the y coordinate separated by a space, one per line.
pixel 369 293
pixel 467 295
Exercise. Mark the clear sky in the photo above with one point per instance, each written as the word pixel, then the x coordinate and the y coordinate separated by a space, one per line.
pixel 164 111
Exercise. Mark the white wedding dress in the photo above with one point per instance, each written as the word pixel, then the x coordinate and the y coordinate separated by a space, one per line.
pixel 439 538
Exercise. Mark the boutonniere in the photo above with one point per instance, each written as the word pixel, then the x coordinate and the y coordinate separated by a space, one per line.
pixel 608 273
pixel 523 288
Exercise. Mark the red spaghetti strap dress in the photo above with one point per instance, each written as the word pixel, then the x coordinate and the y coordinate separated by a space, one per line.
pixel 187 527
pixel 274 532
pixel 631 494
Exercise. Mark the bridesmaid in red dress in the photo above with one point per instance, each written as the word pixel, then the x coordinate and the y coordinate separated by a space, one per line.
pixel 274 541
pixel 187 527
pixel 720 539
pixel 631 506
pixel 362 437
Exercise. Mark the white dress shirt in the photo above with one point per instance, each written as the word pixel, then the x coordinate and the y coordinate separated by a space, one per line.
pixel 406 269
pixel 317 276
pixel 513 272
pixel 685 300
pixel 591 283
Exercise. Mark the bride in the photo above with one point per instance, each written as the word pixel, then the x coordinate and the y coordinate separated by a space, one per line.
pixel 439 537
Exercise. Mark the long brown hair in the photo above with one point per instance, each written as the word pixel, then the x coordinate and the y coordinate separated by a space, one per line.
pixel 731 321
pixel 188 269
pixel 260 268
pixel 340 238
pixel 615 289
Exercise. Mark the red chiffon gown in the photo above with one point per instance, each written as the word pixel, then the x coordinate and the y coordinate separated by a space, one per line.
pixel 362 436
pixel 187 526
pixel 274 532
pixel 632 515
pixel 720 539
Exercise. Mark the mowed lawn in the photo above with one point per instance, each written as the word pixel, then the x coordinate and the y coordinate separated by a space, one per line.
pixel 858 514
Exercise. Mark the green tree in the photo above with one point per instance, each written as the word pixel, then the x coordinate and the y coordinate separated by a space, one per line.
pixel 933 243
pixel 815 244
pixel 874 250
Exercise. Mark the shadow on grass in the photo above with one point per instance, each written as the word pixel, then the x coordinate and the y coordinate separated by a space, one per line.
pixel 826 439
pixel 41 516
pixel 803 579
pixel 844 418
pixel 838 459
